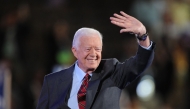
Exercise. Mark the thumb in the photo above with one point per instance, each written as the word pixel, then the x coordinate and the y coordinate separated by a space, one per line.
pixel 125 30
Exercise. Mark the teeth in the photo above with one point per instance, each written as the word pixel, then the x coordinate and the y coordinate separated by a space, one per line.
pixel 91 60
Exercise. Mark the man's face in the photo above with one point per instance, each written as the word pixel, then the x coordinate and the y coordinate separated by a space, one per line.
pixel 88 53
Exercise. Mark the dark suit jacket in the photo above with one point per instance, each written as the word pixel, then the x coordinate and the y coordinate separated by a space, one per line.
pixel 104 88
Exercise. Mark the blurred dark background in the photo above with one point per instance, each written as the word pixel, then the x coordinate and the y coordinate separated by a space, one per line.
pixel 36 37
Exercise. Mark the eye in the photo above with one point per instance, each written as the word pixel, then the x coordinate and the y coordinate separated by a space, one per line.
pixel 98 49
pixel 87 49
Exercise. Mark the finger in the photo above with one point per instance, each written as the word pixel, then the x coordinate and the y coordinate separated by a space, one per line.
pixel 117 20
pixel 118 24
pixel 124 14
pixel 119 16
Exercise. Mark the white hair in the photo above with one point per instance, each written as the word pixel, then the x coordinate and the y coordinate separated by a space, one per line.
pixel 87 32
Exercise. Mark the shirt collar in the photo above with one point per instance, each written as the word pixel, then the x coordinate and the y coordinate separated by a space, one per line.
pixel 79 72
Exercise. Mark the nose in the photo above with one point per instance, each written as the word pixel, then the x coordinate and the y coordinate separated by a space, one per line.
pixel 92 52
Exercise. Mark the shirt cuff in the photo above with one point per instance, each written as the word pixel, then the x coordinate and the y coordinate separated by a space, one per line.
pixel 149 47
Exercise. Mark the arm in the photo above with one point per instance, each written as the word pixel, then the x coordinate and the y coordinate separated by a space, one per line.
pixel 131 25
pixel 126 72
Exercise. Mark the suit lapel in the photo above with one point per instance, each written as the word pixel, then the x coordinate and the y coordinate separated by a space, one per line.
pixel 92 89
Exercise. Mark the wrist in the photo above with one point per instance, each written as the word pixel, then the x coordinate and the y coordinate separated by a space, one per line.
pixel 145 43
pixel 142 37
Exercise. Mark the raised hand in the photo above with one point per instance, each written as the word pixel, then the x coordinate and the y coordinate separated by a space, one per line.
pixel 128 23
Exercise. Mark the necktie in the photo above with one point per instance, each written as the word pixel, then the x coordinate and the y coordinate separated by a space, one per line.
pixel 82 92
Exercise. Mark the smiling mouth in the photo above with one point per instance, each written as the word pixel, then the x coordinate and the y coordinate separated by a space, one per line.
pixel 92 60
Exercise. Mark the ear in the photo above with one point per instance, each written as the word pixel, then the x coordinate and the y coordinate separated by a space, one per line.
pixel 74 50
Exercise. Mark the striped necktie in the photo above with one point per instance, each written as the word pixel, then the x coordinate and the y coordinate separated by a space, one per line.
pixel 82 92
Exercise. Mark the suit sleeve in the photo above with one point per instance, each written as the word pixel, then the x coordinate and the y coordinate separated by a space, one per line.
pixel 124 73
pixel 43 100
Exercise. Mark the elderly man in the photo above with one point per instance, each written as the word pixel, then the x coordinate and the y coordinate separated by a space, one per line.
pixel 92 82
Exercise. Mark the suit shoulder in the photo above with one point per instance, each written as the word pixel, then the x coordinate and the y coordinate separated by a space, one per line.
pixel 109 61
pixel 61 73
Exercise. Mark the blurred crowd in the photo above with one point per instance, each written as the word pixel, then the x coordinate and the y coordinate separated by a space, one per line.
pixel 36 38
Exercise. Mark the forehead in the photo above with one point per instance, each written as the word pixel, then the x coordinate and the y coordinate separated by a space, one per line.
pixel 93 40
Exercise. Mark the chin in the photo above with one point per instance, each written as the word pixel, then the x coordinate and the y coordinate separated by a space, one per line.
pixel 93 67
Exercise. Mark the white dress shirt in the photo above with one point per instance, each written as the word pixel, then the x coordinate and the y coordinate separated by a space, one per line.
pixel 148 48
pixel 78 76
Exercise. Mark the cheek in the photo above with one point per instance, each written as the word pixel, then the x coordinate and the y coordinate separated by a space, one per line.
pixel 100 55
pixel 83 55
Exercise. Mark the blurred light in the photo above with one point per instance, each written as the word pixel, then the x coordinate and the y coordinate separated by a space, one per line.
pixel 146 88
